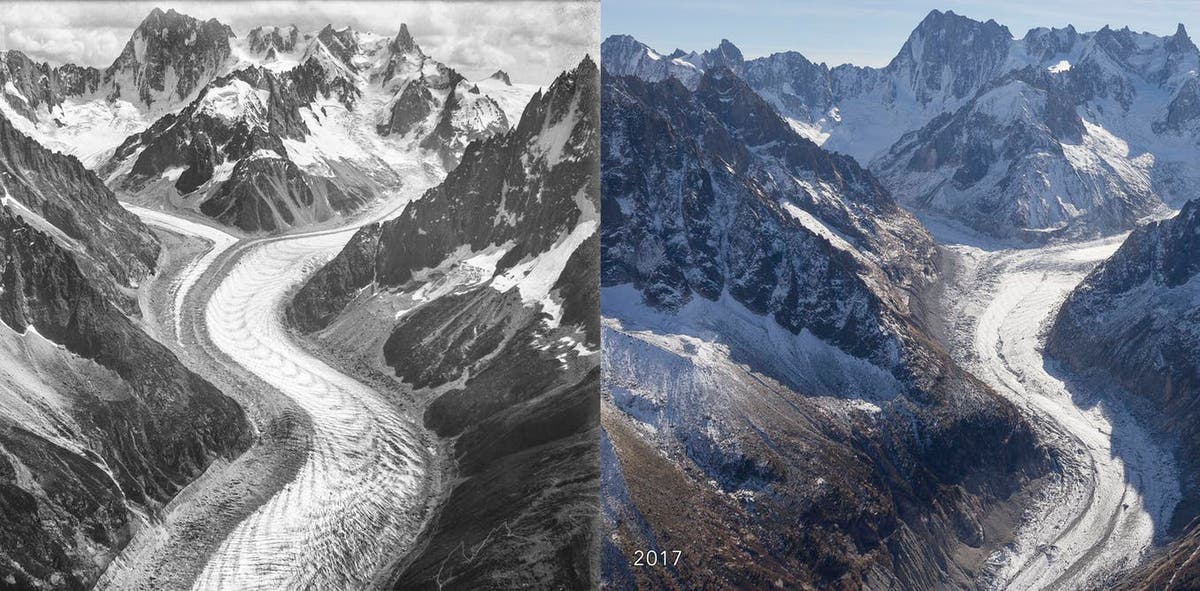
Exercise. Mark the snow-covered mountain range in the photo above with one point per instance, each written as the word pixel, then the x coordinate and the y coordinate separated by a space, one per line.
pixel 1054 133
pixel 279 129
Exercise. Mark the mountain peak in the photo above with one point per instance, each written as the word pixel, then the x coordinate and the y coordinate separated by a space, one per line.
pixel 726 54
pixel 190 50
pixel 1180 42
pixel 404 42
pixel 949 48
pixel 272 39
pixel 937 20
pixel 613 42
pixel 587 64
pixel 502 76
pixel 342 43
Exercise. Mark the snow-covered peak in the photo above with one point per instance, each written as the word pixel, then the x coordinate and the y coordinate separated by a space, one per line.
pixel 262 40
pixel 502 76
pixel 235 101
pixel 949 56
pixel 342 43
pixel 622 55
pixel 330 62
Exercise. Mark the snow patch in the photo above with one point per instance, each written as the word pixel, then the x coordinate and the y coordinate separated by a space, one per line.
pixel 1061 66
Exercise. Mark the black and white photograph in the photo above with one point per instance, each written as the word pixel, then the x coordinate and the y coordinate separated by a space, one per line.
pixel 299 295
pixel 868 295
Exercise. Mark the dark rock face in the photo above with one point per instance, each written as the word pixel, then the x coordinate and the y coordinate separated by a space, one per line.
pixel 74 499
pixel 154 424
pixel 1137 316
pixel 40 85
pixel 404 42
pixel 115 241
pixel 708 195
pixel 414 104
pixel 403 55
pixel 733 164
pixel 527 427
pixel 193 51
pixel 262 40
pixel 1184 110
pixel 328 292
pixel 511 386
pixel 341 43
pixel 267 194
pixel 948 47
pixel 1046 43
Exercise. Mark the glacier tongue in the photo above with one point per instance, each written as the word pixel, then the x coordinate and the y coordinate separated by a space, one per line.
pixel 1118 486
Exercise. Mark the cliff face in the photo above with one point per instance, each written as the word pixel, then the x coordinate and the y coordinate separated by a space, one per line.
pixel 771 406
pixel 481 294
pixel 313 128
pixel 1016 137
pixel 58 190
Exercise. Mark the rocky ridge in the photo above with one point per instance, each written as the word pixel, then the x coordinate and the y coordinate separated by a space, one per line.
pixel 1130 92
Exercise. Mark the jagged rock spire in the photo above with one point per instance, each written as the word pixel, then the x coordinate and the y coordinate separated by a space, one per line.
pixel 404 43
pixel 502 76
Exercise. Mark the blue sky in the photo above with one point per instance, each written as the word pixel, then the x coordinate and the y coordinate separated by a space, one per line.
pixel 863 32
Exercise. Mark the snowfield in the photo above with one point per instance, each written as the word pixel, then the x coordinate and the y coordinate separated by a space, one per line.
pixel 1118 487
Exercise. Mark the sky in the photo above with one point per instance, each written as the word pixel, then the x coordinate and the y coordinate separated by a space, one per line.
pixel 532 41
pixel 864 32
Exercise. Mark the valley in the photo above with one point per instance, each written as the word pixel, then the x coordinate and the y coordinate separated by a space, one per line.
pixel 178 204
pixel 369 469
pixel 1113 495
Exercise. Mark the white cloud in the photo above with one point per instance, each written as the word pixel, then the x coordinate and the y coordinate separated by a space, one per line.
pixel 532 41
